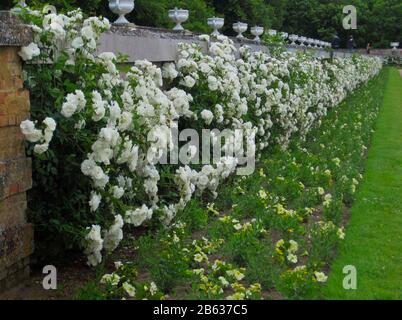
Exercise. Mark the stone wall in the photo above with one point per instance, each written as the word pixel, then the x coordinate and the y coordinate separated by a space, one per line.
pixel 16 235
pixel 160 45
pixel 381 52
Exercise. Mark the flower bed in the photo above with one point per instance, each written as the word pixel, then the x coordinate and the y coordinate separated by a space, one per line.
pixel 270 235
pixel 95 168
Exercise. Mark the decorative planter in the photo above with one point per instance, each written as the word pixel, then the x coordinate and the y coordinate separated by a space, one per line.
pixel 302 40
pixel 240 28
pixel 257 32
pixel 216 24
pixel 178 16
pixel 394 45
pixel 121 8
pixel 293 38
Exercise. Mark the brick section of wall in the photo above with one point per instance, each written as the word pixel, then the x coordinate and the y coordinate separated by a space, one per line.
pixel 16 235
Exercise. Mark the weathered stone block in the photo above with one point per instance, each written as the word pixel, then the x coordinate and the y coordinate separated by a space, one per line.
pixel 15 177
pixel 14 107
pixel 14 275
pixel 10 75
pixel 12 31
pixel 13 210
pixel 11 143
pixel 16 243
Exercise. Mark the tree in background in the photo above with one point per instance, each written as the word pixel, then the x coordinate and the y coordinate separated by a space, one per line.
pixel 379 21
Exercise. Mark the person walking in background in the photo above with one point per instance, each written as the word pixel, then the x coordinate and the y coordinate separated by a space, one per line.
pixel 336 42
pixel 351 44
pixel 368 49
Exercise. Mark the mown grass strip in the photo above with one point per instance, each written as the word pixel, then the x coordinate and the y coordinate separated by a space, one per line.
pixel 373 241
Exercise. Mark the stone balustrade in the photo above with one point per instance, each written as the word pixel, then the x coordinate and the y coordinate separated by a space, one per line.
pixel 160 45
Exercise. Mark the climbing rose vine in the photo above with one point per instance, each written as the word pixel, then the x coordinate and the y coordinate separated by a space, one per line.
pixel 95 168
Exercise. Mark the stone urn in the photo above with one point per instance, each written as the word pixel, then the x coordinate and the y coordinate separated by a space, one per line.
pixel 394 45
pixel 310 41
pixel 302 40
pixel 178 16
pixel 293 39
pixel 240 28
pixel 216 24
pixel 121 8
pixel 257 32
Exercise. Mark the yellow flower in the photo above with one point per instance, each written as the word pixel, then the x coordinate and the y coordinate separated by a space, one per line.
pixel 217 264
pixel 237 226
pixel 256 288
pixel 280 243
pixel 223 281
pixel 327 200
pixel 262 194
pixel 198 271
pixel 236 296
pixel 238 287
pixel 278 251
pixel 340 233
pixel 129 289
pixel 198 257
pixel 235 273
pixel 292 258
pixel 320 276
pixel 212 209
pixel 293 246
pixel 112 279
pixel 225 219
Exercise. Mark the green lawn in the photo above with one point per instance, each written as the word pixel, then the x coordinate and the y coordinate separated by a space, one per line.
pixel 373 241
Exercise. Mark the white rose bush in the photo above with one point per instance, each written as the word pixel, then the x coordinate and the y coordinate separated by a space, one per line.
pixel 96 135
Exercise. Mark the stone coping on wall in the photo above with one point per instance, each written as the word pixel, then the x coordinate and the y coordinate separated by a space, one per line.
pixel 12 31
pixel 136 42
pixel 160 45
